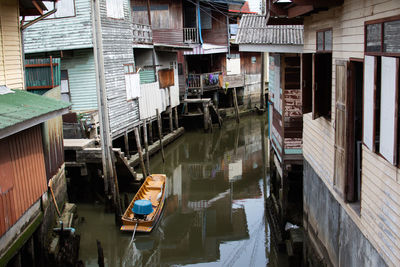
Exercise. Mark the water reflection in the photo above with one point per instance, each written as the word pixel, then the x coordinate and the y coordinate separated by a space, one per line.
pixel 215 207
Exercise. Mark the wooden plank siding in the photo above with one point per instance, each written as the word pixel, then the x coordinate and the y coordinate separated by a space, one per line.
pixel 380 195
pixel 56 34
pixel 24 160
pixel 218 35
pixel 11 64
pixel 117 50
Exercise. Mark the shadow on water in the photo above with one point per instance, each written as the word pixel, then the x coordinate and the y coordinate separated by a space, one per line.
pixel 214 216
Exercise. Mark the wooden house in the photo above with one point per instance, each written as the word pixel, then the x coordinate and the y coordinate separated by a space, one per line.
pixel 125 64
pixel 350 69
pixel 283 45
pixel 31 147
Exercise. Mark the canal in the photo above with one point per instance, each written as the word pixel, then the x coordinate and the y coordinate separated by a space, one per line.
pixel 215 212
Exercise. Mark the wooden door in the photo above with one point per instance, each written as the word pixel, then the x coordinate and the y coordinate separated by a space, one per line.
pixel 341 127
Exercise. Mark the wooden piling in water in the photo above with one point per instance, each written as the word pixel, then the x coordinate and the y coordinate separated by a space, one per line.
pixel 176 117
pixel 206 113
pixel 146 146
pixel 236 105
pixel 126 141
pixel 117 199
pixel 160 134
pixel 139 148
pixel 151 133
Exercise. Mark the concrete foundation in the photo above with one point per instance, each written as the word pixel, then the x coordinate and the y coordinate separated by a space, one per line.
pixel 332 238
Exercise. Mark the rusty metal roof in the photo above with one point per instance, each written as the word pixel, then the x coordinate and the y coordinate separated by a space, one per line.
pixel 20 110
pixel 253 29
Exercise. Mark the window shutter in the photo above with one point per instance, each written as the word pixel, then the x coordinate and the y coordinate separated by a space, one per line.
pixel 306 82
pixel 369 101
pixel 340 128
pixel 388 116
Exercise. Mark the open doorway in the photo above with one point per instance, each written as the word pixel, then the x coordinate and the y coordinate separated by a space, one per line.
pixel 355 82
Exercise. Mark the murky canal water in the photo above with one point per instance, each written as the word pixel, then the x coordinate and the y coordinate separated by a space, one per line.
pixel 217 184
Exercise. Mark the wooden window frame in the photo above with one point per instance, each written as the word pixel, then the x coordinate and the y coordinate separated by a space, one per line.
pixel 323 40
pixel 133 68
pixel 381 22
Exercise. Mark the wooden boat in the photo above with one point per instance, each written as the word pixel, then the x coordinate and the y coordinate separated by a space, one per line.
pixel 153 189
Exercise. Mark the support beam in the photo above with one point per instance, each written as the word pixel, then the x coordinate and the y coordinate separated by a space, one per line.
pixel 146 146
pixel 139 148
pixel 126 141
pixel 160 134
pixel 151 133
pixel 176 117
pixel 236 104
pixel 38 7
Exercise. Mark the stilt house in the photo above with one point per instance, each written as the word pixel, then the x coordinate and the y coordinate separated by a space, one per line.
pixel 350 74
pixel 31 145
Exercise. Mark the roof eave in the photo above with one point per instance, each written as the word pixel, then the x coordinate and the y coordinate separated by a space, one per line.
pixel 18 127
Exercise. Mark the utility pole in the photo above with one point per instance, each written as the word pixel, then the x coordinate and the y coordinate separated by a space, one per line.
pixel 105 138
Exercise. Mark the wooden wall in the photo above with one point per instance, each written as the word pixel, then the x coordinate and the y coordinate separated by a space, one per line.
pixel 219 33
pixel 61 33
pixel 246 64
pixel 11 64
pixel 22 174
pixel 380 195
pixel 117 51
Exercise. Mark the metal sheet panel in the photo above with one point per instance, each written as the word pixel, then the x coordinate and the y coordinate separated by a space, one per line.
pixel 82 79
pixel 61 33
pixel 117 41
pixel 26 161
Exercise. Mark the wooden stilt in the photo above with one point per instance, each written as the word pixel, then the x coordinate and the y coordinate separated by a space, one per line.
pixel 126 141
pixel 117 200
pixel 176 117
pixel 236 105
pixel 146 146
pixel 160 134
pixel 139 148
pixel 206 114
pixel 150 133
pixel 171 126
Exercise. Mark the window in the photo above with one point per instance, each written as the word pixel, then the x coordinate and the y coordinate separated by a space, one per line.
pixel 322 85
pixel 159 16
pixel 381 36
pixel 324 40
pixel 253 60
pixel 115 9
pixel 205 17
pixel 132 82
pixel 64 86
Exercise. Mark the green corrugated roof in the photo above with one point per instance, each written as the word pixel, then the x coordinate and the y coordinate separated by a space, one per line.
pixel 21 106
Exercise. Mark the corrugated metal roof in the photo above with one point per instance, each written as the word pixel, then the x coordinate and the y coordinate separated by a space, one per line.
pixel 21 106
pixel 253 29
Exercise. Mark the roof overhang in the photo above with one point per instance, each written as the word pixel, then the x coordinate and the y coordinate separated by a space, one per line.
pixel 32 7
pixel 298 8
pixel 205 49
pixel 271 48
pixel 21 110
pixel 173 47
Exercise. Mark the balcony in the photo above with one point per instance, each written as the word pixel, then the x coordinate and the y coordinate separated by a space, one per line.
pixel 199 83
pixel 190 36
pixel 142 34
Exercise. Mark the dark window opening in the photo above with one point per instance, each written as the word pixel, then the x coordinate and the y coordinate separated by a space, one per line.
pixel 378 103
pixel 306 82
pixel 322 89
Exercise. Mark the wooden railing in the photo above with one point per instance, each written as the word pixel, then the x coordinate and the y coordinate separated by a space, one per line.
pixel 203 81
pixel 190 35
pixel 142 33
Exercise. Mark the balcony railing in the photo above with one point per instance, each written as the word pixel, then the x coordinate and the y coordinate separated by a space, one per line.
pixel 190 36
pixel 203 81
pixel 142 33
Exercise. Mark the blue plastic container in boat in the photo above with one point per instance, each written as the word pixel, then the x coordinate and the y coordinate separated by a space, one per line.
pixel 142 207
